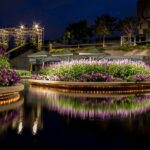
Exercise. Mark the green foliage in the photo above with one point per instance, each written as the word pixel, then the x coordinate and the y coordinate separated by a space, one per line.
pixel 115 70
pixel 78 31
pixel 23 72
pixel 57 50
pixel 128 48
pixel 4 63
pixel 104 25
pixel 124 71
pixel 100 48
pixel 143 47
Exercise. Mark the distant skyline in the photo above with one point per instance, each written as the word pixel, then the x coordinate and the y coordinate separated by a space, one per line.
pixel 55 15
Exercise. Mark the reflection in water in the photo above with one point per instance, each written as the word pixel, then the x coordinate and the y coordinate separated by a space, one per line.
pixel 91 105
pixel 10 112
pixel 62 116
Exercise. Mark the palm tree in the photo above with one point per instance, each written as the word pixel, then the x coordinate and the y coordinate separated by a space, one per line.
pixel 104 25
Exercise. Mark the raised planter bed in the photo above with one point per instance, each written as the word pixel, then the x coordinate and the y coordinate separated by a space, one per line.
pixel 11 89
pixel 105 87
pixel 12 106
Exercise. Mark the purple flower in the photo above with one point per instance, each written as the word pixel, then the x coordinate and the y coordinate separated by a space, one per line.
pixel 95 77
pixel 140 77
pixel 8 77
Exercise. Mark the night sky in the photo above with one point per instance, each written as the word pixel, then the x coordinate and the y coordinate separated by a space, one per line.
pixel 55 15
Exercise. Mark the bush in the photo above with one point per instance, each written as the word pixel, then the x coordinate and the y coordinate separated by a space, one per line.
pixel 95 77
pixel 23 72
pixel 118 69
pixel 4 63
pixel 139 78
pixel 8 77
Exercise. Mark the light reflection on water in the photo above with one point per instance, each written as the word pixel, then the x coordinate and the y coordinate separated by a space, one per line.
pixel 10 115
pixel 91 106
pixel 54 117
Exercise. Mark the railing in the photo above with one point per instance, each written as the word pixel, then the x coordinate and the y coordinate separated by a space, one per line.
pixel 18 50
pixel 114 44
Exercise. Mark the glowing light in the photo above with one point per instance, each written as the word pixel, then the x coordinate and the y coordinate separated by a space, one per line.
pixel 20 127
pixel 22 27
pixel 35 127
pixel 11 100
pixel 36 26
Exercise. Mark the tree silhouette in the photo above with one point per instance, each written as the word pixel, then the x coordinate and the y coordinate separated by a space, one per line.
pixel 79 31
pixel 129 27
pixel 105 25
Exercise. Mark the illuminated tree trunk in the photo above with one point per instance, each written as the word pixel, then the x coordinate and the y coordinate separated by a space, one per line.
pixel 103 40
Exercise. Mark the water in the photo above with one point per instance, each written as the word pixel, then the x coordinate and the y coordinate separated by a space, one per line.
pixel 54 119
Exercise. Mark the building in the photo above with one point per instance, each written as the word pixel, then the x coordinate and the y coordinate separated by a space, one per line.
pixel 143 10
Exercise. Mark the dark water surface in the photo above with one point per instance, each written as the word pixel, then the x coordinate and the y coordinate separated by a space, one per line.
pixel 54 119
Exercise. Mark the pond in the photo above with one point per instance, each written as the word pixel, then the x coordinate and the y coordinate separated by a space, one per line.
pixel 65 120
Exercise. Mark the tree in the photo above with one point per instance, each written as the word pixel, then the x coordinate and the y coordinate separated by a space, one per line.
pixel 104 25
pixel 129 27
pixel 67 37
pixel 79 30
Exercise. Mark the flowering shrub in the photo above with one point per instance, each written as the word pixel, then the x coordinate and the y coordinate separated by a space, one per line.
pixel 52 77
pixel 8 77
pixel 95 77
pixel 139 77
pixel 86 70
pixel 4 62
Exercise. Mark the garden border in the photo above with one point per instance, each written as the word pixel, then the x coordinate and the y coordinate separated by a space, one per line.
pixel 97 86
pixel 11 89
pixel 12 106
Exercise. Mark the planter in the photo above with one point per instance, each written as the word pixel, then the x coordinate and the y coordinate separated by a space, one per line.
pixel 102 87
pixel 11 89
pixel 12 106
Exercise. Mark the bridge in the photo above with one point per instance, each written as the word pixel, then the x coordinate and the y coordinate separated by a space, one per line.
pixel 22 35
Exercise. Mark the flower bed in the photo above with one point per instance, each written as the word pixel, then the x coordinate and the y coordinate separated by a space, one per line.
pixel 96 71
pixel 8 77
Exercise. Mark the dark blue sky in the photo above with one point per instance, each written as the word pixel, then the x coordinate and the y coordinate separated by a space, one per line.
pixel 55 15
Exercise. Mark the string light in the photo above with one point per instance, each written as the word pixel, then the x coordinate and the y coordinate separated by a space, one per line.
pixel 9 101
pixel 106 89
